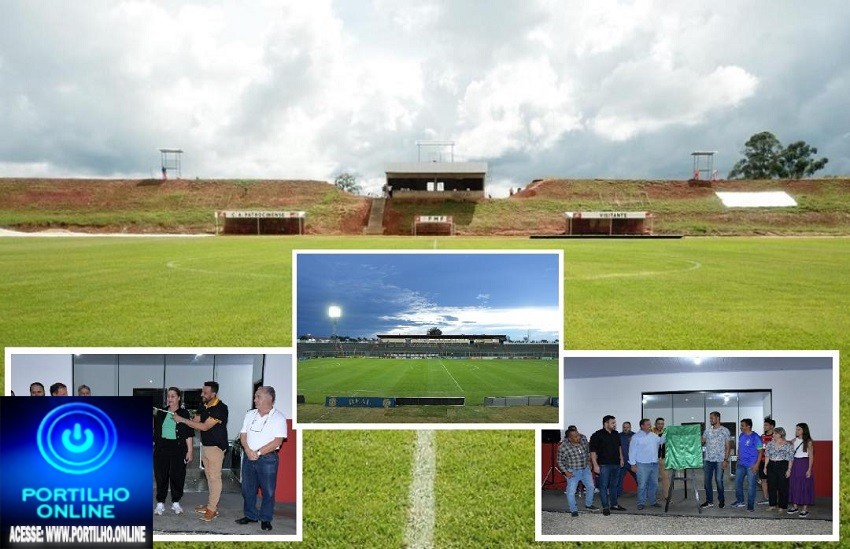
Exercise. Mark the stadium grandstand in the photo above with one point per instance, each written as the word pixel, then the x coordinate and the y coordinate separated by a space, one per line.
pixel 407 346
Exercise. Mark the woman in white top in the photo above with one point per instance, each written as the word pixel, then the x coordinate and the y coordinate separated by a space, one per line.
pixel 802 481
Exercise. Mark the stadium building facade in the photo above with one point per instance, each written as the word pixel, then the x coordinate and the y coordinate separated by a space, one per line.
pixel 459 180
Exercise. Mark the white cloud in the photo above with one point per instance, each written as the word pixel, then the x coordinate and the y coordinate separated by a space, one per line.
pixel 518 106
pixel 543 321
pixel 408 17
pixel 297 89
pixel 676 97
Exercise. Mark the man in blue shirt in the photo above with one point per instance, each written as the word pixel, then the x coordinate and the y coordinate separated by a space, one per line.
pixel 625 438
pixel 750 449
pixel 643 458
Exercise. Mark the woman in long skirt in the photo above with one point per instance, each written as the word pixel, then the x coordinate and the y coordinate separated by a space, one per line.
pixel 802 481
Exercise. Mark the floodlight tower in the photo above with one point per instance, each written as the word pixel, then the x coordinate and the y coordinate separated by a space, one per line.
pixel 334 312
pixel 704 166
pixel 170 159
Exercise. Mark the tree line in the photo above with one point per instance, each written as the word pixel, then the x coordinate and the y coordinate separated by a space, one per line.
pixel 766 158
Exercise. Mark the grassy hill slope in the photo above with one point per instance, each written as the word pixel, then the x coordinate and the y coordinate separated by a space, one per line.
pixel 824 208
pixel 141 206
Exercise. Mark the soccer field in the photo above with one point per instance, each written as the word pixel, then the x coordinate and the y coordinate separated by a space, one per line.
pixel 713 293
pixel 429 377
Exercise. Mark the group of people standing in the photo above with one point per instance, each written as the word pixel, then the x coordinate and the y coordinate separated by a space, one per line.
pixel 784 465
pixel 611 455
pixel 263 432
pixel 57 389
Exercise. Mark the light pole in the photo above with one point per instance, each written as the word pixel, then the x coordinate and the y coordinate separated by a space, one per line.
pixel 334 312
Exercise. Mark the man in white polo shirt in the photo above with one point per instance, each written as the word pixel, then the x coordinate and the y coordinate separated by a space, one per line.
pixel 263 431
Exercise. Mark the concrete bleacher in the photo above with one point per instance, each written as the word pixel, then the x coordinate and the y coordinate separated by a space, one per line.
pixel 376 349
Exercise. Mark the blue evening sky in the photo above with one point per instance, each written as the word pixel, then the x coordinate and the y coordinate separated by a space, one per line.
pixel 493 293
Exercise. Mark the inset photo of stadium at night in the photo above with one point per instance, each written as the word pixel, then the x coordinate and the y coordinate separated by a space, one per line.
pixel 464 338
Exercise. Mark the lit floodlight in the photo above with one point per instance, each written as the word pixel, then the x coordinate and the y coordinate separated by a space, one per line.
pixel 334 312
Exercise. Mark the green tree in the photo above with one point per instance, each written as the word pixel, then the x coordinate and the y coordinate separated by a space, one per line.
pixel 765 158
pixel 761 152
pixel 347 182
pixel 435 332
pixel 798 160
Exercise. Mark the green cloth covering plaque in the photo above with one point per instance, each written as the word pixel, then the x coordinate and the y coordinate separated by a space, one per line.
pixel 684 447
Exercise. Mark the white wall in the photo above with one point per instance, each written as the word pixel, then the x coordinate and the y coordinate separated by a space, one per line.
pixel 110 374
pixel 188 371
pixel 140 372
pixel 234 374
pixel 46 369
pixel 278 374
pixel 798 396
pixel 98 372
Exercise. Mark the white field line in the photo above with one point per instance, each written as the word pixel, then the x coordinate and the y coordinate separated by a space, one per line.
pixel 435 243
pixel 451 376
pixel 52 233
pixel 177 267
pixel 420 524
pixel 694 265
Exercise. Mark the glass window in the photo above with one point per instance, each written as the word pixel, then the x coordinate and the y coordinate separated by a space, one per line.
pixel 694 407
pixel 657 405
pixel 99 372
pixel 688 409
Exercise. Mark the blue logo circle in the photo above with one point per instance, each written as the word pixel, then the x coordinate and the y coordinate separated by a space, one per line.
pixel 77 438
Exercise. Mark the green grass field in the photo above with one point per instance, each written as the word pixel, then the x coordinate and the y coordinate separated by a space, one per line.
pixel 382 377
pixel 474 469
pixel 735 293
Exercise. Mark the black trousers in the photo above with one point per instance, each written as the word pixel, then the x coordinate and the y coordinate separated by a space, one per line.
pixel 777 484
pixel 169 469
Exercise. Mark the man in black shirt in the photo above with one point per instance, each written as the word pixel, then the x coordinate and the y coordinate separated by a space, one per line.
pixel 607 458
pixel 211 421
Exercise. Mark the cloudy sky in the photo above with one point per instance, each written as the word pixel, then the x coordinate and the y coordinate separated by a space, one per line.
pixel 272 89
pixel 515 294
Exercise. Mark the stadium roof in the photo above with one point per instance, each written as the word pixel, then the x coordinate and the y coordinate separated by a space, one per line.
pixel 443 336
pixel 428 168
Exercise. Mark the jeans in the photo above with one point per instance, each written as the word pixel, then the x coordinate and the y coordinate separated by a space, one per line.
pixel 647 475
pixel 584 476
pixel 261 473
pixel 608 477
pixel 714 469
pixel 742 472
pixel 624 470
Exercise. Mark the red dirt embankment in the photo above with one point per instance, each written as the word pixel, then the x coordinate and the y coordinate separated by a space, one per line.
pixel 187 206
pixel 153 205
pixel 574 189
